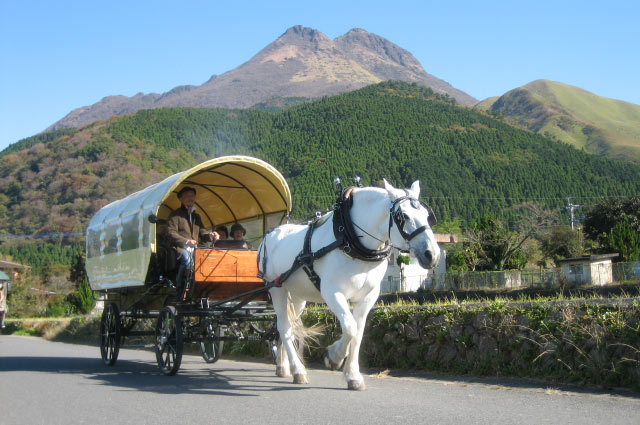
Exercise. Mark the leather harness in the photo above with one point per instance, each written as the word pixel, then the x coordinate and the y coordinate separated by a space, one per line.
pixel 346 238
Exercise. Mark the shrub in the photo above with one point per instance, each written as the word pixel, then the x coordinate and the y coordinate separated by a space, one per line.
pixel 60 308
pixel 83 298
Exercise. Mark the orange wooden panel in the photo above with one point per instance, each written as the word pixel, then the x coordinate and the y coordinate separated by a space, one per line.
pixel 221 274
pixel 217 265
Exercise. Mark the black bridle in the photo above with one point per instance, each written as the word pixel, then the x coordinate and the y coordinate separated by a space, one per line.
pixel 397 216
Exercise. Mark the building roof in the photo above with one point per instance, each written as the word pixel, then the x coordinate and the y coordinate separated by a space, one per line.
pixel 4 264
pixel 446 238
pixel 588 258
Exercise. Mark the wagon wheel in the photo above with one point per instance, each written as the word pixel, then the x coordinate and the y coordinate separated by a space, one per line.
pixel 211 346
pixel 110 334
pixel 169 343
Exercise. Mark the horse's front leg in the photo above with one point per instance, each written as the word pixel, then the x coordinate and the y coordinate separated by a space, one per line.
pixel 343 348
pixel 337 352
pixel 287 348
pixel 352 374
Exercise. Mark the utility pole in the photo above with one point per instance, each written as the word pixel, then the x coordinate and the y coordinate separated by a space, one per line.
pixel 572 207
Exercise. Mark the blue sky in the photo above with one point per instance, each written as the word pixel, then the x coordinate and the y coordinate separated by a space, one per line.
pixel 56 56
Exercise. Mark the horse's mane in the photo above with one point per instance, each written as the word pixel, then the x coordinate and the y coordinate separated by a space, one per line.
pixel 369 193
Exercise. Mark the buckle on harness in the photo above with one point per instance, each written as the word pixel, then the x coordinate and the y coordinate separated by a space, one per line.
pixel 313 276
pixel 305 258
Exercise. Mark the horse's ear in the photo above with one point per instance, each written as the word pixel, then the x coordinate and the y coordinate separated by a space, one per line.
pixel 389 188
pixel 415 189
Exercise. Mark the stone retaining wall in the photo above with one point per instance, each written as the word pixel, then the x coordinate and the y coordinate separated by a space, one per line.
pixel 593 342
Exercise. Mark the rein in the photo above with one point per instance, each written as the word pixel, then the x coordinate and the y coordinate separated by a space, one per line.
pixel 347 239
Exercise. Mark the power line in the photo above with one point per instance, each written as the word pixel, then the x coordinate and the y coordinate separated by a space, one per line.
pixel 555 198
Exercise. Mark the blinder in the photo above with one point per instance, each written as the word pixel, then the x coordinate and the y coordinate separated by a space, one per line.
pixel 398 217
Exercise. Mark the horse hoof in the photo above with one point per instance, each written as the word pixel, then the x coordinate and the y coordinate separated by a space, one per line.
pixel 356 385
pixel 299 378
pixel 282 372
pixel 331 365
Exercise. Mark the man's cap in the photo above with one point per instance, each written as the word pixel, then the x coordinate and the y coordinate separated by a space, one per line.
pixel 186 189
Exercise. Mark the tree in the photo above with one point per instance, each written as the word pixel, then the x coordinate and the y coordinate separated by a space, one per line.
pixel 453 226
pixel 45 274
pixel 78 272
pixel 402 261
pixel 457 261
pixel 490 245
pixel 624 240
pixel 83 298
pixel 601 218
pixel 561 242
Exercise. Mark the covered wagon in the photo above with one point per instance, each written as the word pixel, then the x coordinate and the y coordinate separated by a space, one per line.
pixel 130 263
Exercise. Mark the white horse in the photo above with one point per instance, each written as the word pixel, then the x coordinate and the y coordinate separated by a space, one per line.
pixel 382 218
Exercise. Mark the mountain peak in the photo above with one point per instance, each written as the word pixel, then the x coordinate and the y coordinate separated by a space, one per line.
pixel 302 33
pixel 356 32
pixel 302 62
pixel 361 42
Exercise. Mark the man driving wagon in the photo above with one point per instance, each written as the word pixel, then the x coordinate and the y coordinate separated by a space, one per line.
pixel 185 231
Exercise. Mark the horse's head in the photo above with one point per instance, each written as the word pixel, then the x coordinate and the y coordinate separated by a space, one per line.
pixel 410 224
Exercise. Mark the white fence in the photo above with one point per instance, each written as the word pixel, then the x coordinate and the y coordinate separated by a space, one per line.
pixel 544 278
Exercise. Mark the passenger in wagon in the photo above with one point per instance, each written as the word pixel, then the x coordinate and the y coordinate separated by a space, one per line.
pixel 238 233
pixel 185 231
pixel 223 232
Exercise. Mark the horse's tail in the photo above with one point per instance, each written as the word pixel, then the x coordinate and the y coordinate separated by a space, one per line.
pixel 304 336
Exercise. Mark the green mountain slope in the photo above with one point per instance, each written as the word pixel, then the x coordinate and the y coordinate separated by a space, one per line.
pixel 596 124
pixel 467 162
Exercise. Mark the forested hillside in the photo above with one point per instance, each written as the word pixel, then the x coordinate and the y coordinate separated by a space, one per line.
pixel 467 162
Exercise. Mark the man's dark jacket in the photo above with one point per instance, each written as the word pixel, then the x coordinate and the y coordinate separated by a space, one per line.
pixel 179 230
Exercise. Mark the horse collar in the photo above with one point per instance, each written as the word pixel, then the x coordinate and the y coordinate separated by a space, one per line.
pixel 344 232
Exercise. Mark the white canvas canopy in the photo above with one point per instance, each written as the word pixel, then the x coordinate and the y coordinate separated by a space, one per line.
pixel 230 189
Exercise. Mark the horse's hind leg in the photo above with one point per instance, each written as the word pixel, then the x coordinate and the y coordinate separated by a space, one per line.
pixel 279 299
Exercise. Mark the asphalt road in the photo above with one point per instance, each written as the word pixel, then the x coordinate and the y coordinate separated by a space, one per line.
pixel 43 382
